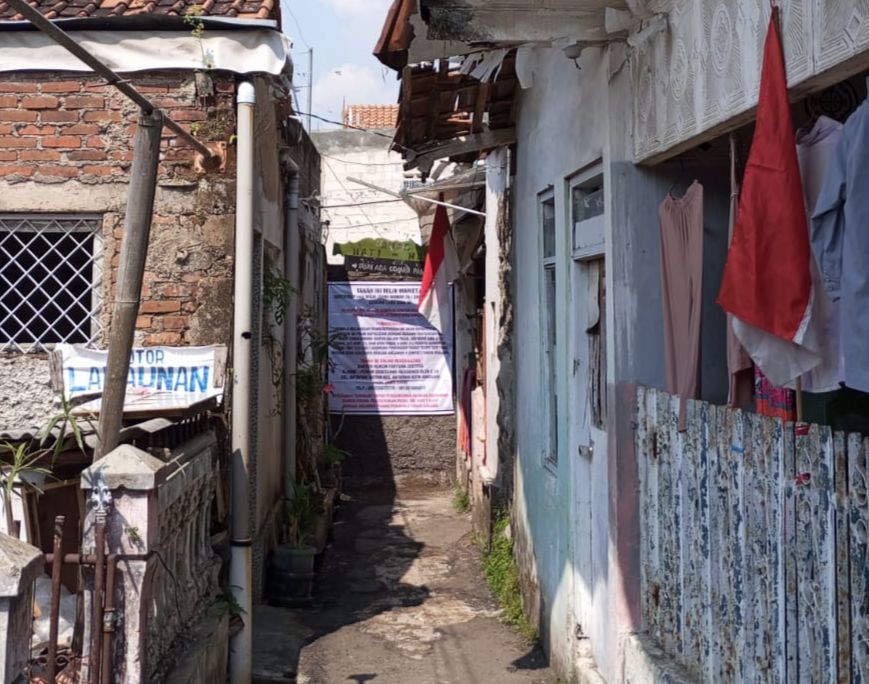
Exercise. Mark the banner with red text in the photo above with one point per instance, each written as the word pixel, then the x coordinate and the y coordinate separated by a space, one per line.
pixel 388 359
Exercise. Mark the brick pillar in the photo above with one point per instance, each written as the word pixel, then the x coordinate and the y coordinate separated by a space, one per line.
pixel 130 477
pixel 20 565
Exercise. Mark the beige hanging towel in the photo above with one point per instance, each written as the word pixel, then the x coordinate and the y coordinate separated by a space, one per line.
pixel 682 278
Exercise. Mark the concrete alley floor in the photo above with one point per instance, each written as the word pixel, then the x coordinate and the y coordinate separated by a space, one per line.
pixel 401 600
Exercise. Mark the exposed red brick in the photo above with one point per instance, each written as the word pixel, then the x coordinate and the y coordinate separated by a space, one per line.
pixel 8 155
pixel 61 87
pixel 17 170
pixel 81 129
pixel 103 116
pixel 121 155
pixel 39 155
pixel 63 171
pixel 187 115
pixel 86 155
pixel 8 101
pixel 14 87
pixel 5 129
pixel 17 115
pixel 143 321
pixel 61 141
pixel 84 102
pixel 35 130
pixel 58 117
pixel 159 306
pixel 95 141
pixel 174 290
pixel 99 170
pixel 175 322
pixel 163 338
pixel 40 102
pixel 14 141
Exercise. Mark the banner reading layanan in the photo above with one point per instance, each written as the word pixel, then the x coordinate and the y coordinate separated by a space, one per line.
pixel 389 360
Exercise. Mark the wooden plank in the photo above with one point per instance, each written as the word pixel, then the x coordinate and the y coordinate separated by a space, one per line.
pixel 476 142
pixel 480 107
pixel 815 565
pixel 843 561
pixel 858 499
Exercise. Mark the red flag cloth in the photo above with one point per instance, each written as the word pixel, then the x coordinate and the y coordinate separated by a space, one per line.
pixel 767 282
pixel 440 270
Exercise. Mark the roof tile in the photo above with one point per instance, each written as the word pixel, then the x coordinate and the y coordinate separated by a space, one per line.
pixel 53 9
pixel 370 116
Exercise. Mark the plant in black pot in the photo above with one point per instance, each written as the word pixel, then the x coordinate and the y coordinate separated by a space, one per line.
pixel 290 577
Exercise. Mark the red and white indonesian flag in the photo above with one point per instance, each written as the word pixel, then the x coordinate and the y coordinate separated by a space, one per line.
pixel 768 285
pixel 441 268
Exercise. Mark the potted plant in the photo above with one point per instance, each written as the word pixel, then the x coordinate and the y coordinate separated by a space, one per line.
pixel 290 577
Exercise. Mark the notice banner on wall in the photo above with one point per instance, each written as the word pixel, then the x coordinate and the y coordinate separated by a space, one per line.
pixel 389 360
pixel 384 267
pixel 187 371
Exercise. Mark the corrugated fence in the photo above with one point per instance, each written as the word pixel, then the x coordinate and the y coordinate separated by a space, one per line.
pixel 754 544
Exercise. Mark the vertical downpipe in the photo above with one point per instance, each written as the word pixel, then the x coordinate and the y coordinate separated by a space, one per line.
pixel 240 574
pixel 291 272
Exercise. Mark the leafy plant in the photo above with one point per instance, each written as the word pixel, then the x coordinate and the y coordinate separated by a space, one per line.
pixel 227 599
pixel 277 292
pixel 333 455
pixel 22 463
pixel 193 18
pixel 502 575
pixel 300 511
pixel 461 499
pixel 66 423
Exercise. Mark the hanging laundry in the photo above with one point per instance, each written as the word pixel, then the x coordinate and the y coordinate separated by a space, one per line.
pixel 772 401
pixel 739 364
pixel 840 241
pixel 767 284
pixel 816 147
pixel 682 284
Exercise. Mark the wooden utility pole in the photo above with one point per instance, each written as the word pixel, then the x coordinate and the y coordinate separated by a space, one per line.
pixel 134 250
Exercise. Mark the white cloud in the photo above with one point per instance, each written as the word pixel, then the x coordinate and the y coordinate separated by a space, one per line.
pixel 352 84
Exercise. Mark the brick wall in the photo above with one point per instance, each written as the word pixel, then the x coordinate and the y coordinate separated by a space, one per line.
pixel 71 135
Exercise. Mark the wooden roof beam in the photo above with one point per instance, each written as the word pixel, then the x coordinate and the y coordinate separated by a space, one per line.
pixel 475 142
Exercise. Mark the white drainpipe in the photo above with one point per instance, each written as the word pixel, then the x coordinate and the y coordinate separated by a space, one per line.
pixel 240 574
pixel 292 242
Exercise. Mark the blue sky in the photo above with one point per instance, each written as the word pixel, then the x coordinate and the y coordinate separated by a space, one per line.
pixel 342 33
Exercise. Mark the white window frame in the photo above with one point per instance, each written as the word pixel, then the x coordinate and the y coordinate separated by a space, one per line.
pixel 588 236
pixel 29 223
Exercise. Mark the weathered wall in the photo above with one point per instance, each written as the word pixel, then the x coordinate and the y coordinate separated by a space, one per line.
pixel 561 129
pixel 66 146
pixel 346 205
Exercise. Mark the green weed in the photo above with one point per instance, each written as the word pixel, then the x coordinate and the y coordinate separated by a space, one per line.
pixel 502 575
pixel 461 499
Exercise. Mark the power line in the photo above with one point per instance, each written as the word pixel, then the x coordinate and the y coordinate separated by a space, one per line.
pixel 359 163
pixel 358 204
pixel 286 6
pixel 357 128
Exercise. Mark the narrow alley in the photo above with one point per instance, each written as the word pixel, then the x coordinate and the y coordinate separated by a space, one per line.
pixel 401 599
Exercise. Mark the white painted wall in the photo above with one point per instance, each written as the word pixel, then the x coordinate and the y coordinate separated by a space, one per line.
pixel 562 128
pixel 358 154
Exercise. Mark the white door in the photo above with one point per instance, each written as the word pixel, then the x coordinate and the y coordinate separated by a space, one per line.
pixel 587 396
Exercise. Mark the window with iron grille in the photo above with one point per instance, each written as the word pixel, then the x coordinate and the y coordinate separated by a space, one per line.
pixel 49 280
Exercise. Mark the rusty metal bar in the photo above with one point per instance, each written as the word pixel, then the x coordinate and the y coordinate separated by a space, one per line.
pixel 63 39
pixel 54 616
pixel 109 619
pixel 97 607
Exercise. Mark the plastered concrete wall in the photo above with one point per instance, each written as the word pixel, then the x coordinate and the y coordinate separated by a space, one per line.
pixel 562 128
pixel 365 156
